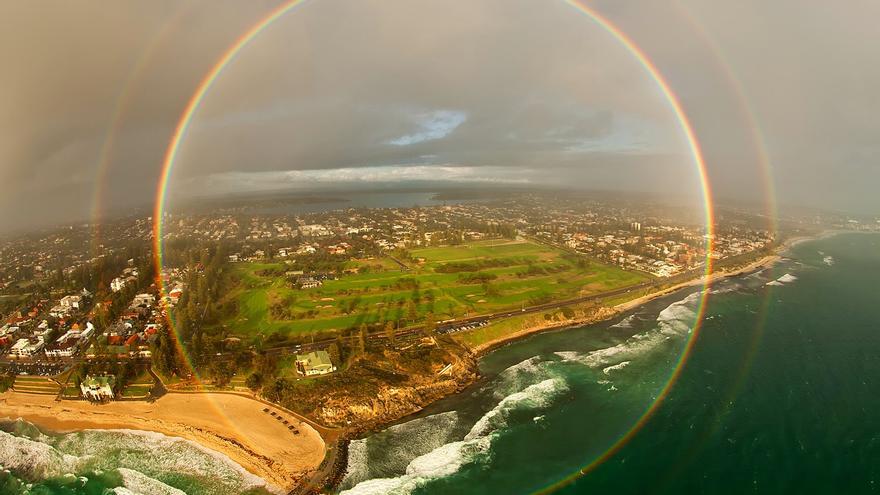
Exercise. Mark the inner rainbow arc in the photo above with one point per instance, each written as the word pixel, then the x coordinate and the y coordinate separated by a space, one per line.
pixel 672 99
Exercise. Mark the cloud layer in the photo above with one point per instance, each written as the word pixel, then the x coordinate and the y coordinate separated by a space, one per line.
pixel 508 91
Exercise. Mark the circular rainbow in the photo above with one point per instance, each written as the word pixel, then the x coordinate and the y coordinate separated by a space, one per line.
pixel 649 67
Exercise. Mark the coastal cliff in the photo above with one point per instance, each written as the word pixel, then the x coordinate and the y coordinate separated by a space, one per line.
pixel 393 402
pixel 381 386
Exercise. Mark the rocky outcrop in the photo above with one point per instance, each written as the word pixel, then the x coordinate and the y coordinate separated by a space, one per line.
pixel 393 402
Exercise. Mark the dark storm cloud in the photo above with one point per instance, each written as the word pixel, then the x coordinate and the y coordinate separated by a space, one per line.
pixel 491 90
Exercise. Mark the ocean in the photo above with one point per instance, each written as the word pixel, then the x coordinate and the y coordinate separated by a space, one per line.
pixel 781 394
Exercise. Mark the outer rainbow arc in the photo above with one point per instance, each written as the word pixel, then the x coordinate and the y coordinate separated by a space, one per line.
pixel 123 101
pixel 182 126
pixel 755 132
pixel 619 35
pixel 699 161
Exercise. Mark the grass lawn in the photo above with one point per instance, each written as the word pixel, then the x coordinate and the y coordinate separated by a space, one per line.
pixel 446 281
pixel 497 329
pixel 137 390
pixel 35 385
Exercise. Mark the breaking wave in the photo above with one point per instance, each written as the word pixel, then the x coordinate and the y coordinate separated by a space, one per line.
pixel 785 279
pixel 615 367
pixel 675 321
pixel 449 458
pixel 137 482
pixel 625 323
pixel 144 461
pixel 397 446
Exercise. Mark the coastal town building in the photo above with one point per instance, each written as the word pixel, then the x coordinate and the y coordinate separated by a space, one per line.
pixel 27 347
pixel 98 388
pixel 314 363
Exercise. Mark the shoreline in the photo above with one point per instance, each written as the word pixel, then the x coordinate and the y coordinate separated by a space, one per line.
pixel 268 454
pixel 231 426
pixel 761 263
pixel 614 311
pixel 603 314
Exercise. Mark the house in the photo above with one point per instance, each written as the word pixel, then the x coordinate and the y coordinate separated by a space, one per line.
pixel 145 299
pixel 308 283
pixel 314 363
pixel 98 388
pixel 117 284
pixel 7 334
pixel 71 302
pixel 66 346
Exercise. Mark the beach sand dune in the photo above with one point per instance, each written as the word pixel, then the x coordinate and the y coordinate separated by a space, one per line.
pixel 233 425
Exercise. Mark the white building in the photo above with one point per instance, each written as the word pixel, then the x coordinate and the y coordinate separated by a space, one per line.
pixel 97 388
pixel 71 302
pixel 147 300
pixel 314 363
pixel 27 347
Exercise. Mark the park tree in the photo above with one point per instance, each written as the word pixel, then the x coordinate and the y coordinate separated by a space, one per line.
pixel 254 381
pixel 411 311
pixel 389 331
pixel 221 372
pixel 335 353
pixel 430 323
pixel 362 338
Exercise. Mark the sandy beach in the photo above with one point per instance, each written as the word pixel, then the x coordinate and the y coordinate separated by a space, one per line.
pixel 233 425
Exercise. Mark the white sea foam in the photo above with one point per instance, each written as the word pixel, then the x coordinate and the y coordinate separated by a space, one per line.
pixel 449 458
pixel 568 355
pixel 398 446
pixel 358 467
pixel 675 321
pixel 33 459
pixel 725 289
pixel 828 260
pixel 535 396
pixel 787 278
pixel 615 367
pixel 142 484
pixel 520 375
pixel 774 283
pixel 39 456
pixel 625 323
pixel 757 274
pixel 528 367
pixel 168 454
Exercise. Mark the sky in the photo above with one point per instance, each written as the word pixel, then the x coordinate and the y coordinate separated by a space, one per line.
pixel 345 93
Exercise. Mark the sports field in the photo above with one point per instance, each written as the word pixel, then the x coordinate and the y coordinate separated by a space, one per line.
pixel 450 282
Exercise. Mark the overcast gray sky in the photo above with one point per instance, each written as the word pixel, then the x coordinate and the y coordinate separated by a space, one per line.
pixel 345 92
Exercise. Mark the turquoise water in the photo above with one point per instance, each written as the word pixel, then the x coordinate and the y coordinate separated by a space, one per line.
pixel 781 395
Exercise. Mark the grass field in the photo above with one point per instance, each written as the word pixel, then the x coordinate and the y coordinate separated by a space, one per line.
pixel 450 282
